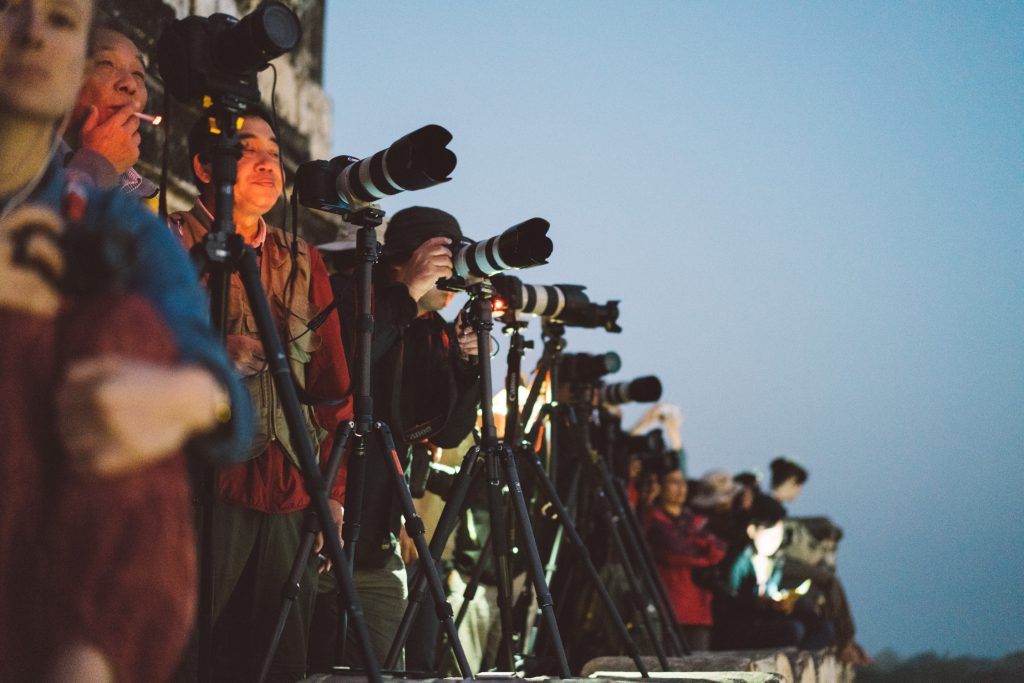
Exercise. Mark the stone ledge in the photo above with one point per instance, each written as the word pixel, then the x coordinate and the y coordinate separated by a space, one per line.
pixel 789 665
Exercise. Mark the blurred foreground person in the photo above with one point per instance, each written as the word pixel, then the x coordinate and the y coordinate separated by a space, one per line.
pixel 108 368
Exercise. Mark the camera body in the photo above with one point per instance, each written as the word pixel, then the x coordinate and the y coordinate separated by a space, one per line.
pixel 427 475
pixel 587 368
pixel 220 55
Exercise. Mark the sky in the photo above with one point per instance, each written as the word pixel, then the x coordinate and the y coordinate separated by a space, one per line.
pixel 812 213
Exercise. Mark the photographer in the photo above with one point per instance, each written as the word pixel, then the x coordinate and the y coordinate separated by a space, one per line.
pixel 424 385
pixel 102 140
pixel 258 513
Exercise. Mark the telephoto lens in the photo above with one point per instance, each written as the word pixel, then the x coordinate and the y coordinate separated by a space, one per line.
pixel 588 367
pixel 547 301
pixel 640 390
pixel 522 246
pixel 343 184
pixel 415 161
pixel 567 304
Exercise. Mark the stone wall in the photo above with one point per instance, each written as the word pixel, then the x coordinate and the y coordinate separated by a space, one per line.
pixel 303 109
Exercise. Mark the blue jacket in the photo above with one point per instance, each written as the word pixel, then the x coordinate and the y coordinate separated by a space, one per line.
pixel 126 245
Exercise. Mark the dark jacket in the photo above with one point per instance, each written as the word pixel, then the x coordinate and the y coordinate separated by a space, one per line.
pixel 420 387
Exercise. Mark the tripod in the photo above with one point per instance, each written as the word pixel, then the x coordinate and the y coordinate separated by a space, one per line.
pixel 526 450
pixel 619 518
pixel 223 252
pixel 497 458
pixel 365 427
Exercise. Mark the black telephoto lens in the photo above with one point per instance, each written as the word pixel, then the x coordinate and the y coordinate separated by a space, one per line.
pixel 588 367
pixel 521 246
pixel 266 34
pixel 413 162
pixel 641 390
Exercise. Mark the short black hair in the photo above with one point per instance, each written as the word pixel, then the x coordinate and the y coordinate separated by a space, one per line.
pixel 783 468
pixel 201 140
pixel 765 511
pixel 747 478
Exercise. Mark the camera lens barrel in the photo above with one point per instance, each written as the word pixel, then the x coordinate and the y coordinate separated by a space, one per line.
pixel 521 246
pixel 588 367
pixel 413 162
pixel 641 390
pixel 265 34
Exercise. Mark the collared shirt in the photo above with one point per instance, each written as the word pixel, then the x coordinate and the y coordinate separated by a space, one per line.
pixel 261 226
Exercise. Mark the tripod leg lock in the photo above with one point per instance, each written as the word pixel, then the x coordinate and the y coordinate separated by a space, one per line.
pixel 415 527
pixel 444 611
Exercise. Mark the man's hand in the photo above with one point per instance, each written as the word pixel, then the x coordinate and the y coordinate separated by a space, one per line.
pixel 408 547
pixel 247 354
pixel 338 515
pixel 116 139
pixel 466 338
pixel 429 263
pixel 116 415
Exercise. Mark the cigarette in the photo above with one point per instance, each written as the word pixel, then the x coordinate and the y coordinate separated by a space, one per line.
pixel 155 120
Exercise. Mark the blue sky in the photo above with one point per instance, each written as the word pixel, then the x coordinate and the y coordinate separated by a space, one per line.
pixel 812 213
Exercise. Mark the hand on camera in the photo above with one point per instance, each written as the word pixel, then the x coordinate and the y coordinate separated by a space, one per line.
pixel 116 415
pixel 117 138
pixel 247 354
pixel 431 261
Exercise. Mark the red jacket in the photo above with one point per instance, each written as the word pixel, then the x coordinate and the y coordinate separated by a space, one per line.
pixel 678 544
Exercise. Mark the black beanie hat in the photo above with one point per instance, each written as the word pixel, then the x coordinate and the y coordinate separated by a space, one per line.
pixel 411 227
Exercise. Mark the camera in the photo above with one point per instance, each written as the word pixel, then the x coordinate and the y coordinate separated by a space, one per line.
pixel 586 368
pixel 640 445
pixel 427 475
pixel 522 246
pixel 221 55
pixel 640 390
pixel 567 304
pixel 415 161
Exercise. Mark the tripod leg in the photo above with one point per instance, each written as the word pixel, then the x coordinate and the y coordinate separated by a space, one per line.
pixel 445 526
pixel 310 527
pixel 500 551
pixel 544 601
pixel 636 548
pixel 414 525
pixel 350 527
pixel 467 598
pixel 312 478
pixel 584 555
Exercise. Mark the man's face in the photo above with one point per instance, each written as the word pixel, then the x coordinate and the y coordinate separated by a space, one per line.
pixel 42 55
pixel 259 170
pixel 115 77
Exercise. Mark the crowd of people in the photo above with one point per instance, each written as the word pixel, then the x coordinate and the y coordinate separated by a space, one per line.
pixel 119 396
pixel 738 571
